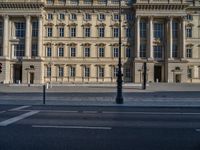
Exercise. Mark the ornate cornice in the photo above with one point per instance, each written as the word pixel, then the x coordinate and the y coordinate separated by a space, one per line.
pixel 29 5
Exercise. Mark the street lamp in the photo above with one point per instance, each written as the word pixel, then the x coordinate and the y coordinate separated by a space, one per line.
pixel 119 98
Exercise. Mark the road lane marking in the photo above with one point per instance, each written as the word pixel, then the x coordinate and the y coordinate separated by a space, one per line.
pixel 150 113
pixel 1 112
pixel 18 108
pixel 17 118
pixel 72 127
pixel 198 130
pixel 53 111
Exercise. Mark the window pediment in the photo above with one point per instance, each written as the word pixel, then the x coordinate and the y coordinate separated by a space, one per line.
pixel 71 44
pixel 101 44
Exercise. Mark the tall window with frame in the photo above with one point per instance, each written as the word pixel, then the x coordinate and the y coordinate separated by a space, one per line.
pixel 49 1
pixel 19 50
pixel 49 31
pixel 87 1
pixel 62 16
pixel 86 72
pixel 87 52
pixel 72 71
pixel 101 70
pixel 20 29
pixel 73 16
pixel 35 29
pixel 73 31
pixel 72 52
pixel 102 2
pixel 60 71
pixel 128 32
pixel 115 71
pixel 115 16
pixel 48 71
pixel 189 32
pixel 143 29
pixel 189 52
pixel 49 51
pixel 34 51
pixel 189 73
pixel 158 30
pixel 128 52
pixel 102 17
pixel 115 52
pixel 158 54
pixel 175 29
pixel 127 72
pixel 49 16
pixel 61 31
pixel 60 52
pixel 1 29
pixel 115 32
pixel 87 16
pixel 101 51
pixel 175 51
pixel 101 31
pixel 87 31
pixel 143 50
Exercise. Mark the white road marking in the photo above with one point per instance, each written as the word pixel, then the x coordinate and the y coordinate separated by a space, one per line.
pixel 18 108
pixel 17 118
pixel 1 112
pixel 72 127
pixel 54 111
pixel 151 113
pixel 198 130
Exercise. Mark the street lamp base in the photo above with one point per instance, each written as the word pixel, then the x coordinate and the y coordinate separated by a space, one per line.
pixel 119 100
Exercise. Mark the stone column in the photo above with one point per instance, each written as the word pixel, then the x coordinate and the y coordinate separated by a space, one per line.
pixel 183 37
pixel 28 37
pixel 5 36
pixel 150 37
pixel 137 37
pixel 170 37
pixel 40 25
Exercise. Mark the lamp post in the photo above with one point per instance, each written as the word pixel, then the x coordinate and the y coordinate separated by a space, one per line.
pixel 119 98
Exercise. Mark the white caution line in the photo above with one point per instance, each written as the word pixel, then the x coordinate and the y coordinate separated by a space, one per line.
pixel 18 108
pixel 151 113
pixel 54 111
pixel 72 127
pixel 20 117
pixel 198 130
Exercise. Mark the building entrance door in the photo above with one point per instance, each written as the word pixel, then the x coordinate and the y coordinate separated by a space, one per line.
pixel 17 73
pixel 178 78
pixel 31 78
pixel 157 73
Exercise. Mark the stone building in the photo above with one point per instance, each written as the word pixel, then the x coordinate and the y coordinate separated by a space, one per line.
pixel 76 41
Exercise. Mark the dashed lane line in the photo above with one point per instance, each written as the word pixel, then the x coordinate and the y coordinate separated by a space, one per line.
pixel 18 108
pixel 17 118
pixel 72 127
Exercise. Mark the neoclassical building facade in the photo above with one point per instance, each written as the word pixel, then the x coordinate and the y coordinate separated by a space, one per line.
pixel 76 41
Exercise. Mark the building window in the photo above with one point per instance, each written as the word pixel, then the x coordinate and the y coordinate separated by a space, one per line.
pixel 189 17
pixel 86 71
pixel 102 17
pixel 116 32
pixel 158 31
pixel 87 2
pixel 101 51
pixel 175 29
pixel 189 32
pixel 50 16
pixel 19 29
pixel 189 53
pixel 87 31
pixel 62 16
pixel 127 72
pixel 73 17
pixel 115 72
pixel 158 52
pixel 129 17
pixel 48 51
pixel 128 52
pixel 60 52
pixel 61 31
pixel 189 73
pixel 1 29
pixel 102 1
pixel 73 31
pixel 143 29
pixel 48 71
pixel 115 52
pixel 87 16
pixel 35 29
pixel 86 52
pixel 175 51
pixel 115 1
pixel 61 1
pixel 73 52
pixel 61 71
pixel 34 51
pixel 101 31
pixel 19 50
pixel 116 17
pixel 128 32
pixel 101 72
pixel 72 72
pixel 49 1
pixel 49 32
pixel 143 50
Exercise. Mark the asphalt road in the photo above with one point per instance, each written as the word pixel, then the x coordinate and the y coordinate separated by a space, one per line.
pixel 98 128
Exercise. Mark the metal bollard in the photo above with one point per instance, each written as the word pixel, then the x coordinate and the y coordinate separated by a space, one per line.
pixel 44 94
pixel 145 76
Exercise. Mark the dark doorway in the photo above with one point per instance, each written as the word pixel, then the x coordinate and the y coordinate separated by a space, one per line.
pixel 178 78
pixel 17 73
pixel 31 78
pixel 157 73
